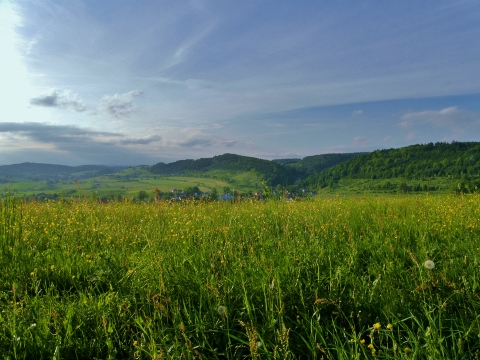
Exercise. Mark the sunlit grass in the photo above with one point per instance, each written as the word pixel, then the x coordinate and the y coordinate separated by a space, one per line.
pixel 335 278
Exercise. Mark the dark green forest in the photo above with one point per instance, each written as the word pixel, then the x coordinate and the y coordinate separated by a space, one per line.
pixel 456 160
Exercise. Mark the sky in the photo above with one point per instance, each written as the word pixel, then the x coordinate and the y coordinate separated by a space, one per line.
pixel 145 81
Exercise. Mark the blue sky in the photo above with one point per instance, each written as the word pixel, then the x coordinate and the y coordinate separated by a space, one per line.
pixel 138 82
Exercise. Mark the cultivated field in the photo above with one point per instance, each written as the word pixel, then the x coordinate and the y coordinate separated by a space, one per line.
pixel 129 182
pixel 340 278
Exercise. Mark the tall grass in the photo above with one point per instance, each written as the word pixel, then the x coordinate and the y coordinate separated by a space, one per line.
pixel 330 279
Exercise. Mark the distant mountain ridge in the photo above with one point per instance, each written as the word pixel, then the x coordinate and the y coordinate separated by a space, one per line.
pixel 39 171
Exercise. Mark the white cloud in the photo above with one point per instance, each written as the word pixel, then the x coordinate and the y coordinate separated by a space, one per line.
pixel 453 118
pixel 357 112
pixel 119 105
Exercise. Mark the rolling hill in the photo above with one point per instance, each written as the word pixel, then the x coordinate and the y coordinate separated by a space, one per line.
pixel 271 172
pixel 433 166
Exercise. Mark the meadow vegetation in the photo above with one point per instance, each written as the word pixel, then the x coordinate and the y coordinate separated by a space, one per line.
pixel 334 278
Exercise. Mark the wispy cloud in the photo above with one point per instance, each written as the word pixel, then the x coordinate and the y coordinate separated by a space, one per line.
pixel 142 141
pixel 59 99
pixel 205 142
pixel 196 142
pixel 357 112
pixel 198 138
pixel 119 105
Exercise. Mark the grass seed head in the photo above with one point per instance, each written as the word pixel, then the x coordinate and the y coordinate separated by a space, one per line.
pixel 222 311
pixel 429 264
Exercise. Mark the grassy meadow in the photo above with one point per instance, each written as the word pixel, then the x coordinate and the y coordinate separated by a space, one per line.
pixel 334 278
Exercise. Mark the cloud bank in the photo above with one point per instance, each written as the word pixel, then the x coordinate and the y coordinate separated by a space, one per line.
pixel 60 134
pixel 45 133
pixel 72 142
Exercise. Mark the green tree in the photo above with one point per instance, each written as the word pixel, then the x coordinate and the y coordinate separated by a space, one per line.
pixel 214 194
pixel 279 191
pixel 191 190
pixel 331 184
pixel 142 195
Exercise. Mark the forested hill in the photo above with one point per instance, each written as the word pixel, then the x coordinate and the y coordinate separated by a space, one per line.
pixel 314 164
pixel 456 159
pixel 272 173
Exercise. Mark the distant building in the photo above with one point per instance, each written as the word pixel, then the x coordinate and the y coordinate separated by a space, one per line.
pixel 226 197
